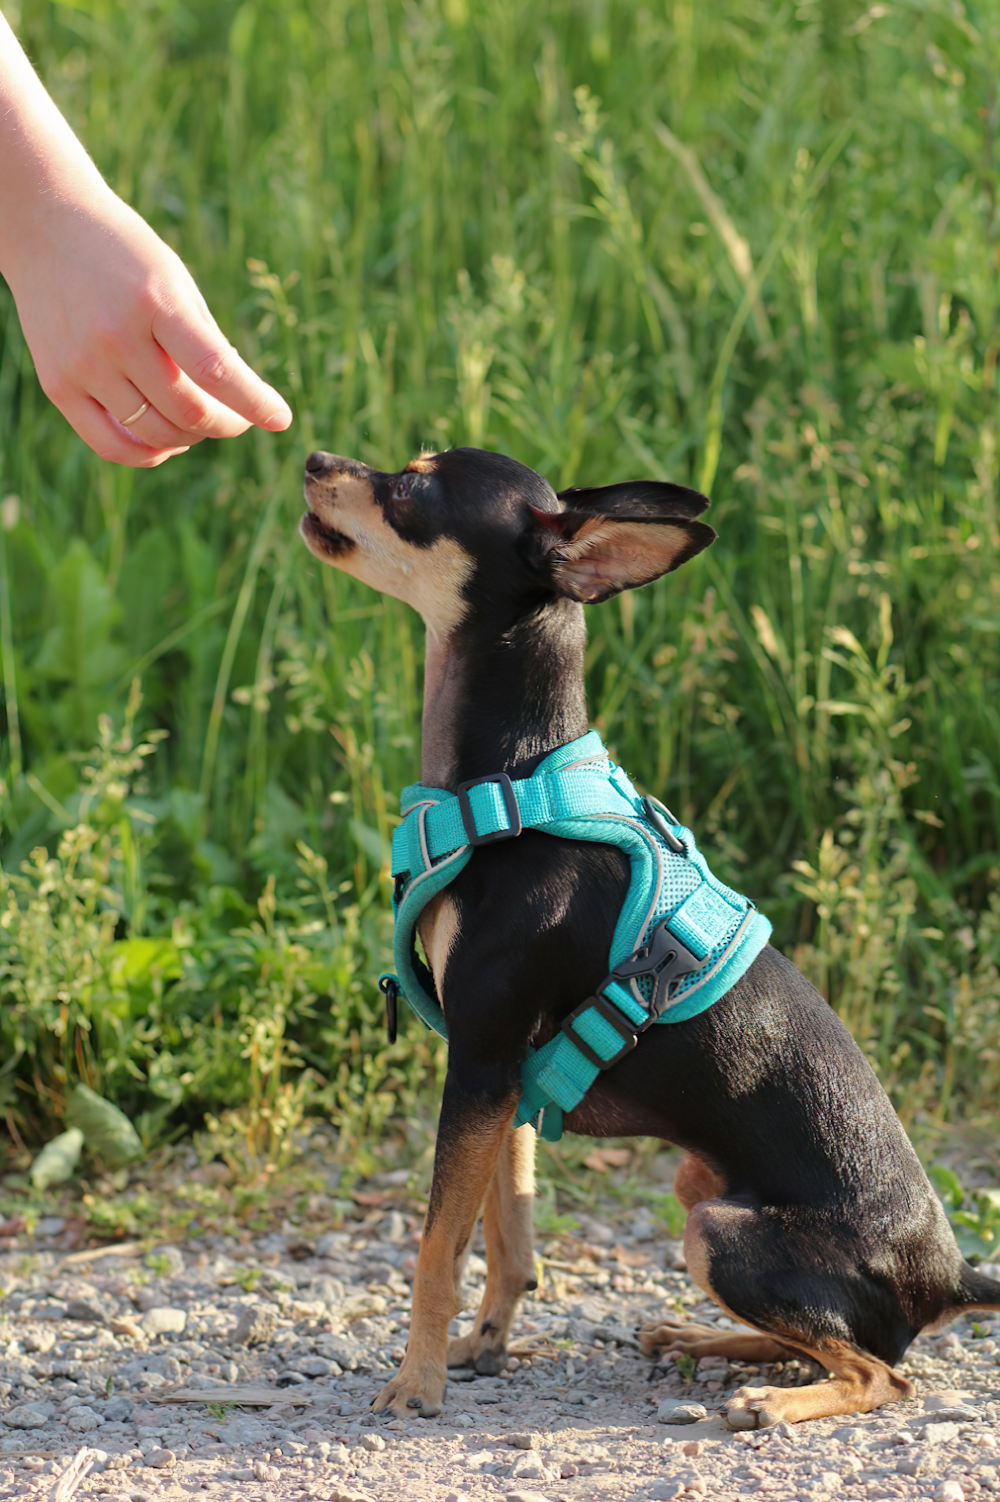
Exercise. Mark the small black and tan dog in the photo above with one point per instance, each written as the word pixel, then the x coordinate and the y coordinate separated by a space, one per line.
pixel 809 1216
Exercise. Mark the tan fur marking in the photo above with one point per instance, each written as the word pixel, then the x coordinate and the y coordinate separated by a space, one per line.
pixel 510 1263
pixel 462 1173
pixel 438 929
pixel 430 579
pixel 695 1181
pixel 424 465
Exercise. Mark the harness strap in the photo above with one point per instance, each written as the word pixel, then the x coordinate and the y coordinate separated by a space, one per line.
pixel 683 938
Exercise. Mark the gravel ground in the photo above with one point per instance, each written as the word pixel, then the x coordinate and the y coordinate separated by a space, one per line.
pixel 244 1368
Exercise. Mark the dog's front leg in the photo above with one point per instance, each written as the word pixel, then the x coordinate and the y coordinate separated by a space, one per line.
pixel 510 1262
pixel 473 1126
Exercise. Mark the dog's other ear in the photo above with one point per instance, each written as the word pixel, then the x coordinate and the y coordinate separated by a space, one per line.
pixel 617 537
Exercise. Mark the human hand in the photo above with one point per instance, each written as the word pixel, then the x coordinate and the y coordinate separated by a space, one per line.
pixel 114 319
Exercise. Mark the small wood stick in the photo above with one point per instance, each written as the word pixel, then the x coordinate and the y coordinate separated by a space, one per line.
pixel 73 1475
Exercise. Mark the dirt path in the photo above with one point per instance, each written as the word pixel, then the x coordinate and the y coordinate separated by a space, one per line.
pixel 245 1370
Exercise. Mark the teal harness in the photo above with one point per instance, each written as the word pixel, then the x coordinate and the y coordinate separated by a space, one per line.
pixel 682 940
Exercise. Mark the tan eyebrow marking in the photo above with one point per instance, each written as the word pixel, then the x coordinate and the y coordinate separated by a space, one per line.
pixel 423 465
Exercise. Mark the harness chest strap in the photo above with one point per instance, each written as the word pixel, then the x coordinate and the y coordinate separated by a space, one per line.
pixel 682 939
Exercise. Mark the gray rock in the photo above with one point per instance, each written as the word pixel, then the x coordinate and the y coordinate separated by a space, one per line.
pixel 28 1415
pixel 117 1410
pixel 255 1326
pixel 81 1420
pixel 622 1335
pixel 671 1411
pixel 243 1430
pixel 959 1413
pixel 530 1468
pixel 160 1460
pixel 328 1291
pixel 312 1366
pixel 164 1321
pixel 373 1442
pixel 83 1309
pixel 525 1497
pixel 522 1441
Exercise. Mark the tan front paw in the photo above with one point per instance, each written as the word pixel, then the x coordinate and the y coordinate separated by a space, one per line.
pixel 755 1407
pixel 412 1393
pixel 474 1350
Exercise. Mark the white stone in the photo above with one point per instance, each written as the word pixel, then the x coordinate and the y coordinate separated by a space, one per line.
pixel 163 1321
pixel 949 1491
pixel 670 1411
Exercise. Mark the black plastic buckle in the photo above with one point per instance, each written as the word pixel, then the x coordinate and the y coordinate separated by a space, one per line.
pixel 509 802
pixel 665 959
pixel 622 1025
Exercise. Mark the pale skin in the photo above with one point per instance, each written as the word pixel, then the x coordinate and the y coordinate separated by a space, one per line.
pixel 111 315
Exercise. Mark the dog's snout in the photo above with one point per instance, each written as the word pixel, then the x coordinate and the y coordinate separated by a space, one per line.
pixel 318 463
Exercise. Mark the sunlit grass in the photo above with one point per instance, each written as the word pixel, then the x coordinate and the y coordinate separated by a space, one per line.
pixel 741 246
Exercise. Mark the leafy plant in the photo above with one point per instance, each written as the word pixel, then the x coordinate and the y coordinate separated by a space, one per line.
pixel 974 1215
pixel 690 242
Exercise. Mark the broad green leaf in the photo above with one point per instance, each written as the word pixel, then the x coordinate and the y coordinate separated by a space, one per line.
pixel 108 1131
pixel 135 959
pixel 57 1160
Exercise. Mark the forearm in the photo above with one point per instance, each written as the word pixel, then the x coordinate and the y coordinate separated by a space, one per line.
pixel 45 173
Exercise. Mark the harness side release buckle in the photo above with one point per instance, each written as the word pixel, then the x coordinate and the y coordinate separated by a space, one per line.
pixel 665 959
pixel 510 807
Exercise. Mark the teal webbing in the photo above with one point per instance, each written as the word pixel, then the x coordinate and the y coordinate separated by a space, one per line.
pixel 578 793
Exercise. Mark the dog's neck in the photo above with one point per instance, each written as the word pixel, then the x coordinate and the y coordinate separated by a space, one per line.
pixel 500 700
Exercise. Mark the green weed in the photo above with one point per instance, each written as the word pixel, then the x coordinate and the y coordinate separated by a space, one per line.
pixel 747 247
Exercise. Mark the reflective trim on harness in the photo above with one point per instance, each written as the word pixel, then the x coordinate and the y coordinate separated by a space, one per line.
pixel 682 940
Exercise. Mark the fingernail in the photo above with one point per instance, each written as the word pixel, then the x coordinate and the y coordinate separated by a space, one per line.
pixel 279 420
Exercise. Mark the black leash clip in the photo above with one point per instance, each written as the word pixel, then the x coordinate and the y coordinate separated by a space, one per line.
pixel 389 986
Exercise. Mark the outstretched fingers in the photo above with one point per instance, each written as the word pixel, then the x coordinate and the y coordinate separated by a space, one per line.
pixel 217 387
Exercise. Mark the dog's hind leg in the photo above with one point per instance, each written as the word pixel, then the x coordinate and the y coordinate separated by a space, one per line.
pixel 471 1133
pixel 793 1279
pixel 695 1181
pixel 510 1268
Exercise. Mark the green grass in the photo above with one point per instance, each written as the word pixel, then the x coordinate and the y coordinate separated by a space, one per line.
pixel 744 246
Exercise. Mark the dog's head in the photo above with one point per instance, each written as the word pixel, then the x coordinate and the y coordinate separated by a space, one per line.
pixel 468 531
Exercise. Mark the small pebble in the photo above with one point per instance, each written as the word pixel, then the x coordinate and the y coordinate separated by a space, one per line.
pixel 160 1460
pixel 670 1411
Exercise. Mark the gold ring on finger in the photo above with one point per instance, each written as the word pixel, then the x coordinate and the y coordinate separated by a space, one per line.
pixel 127 422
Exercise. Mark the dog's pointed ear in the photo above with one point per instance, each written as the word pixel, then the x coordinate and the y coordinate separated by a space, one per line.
pixel 616 537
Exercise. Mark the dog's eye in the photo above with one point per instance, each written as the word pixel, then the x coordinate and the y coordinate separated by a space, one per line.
pixel 402 489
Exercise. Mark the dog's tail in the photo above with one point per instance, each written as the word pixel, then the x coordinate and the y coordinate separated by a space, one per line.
pixel 976 1290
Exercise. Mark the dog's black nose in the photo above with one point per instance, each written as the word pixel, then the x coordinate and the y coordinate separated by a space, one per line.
pixel 317 463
